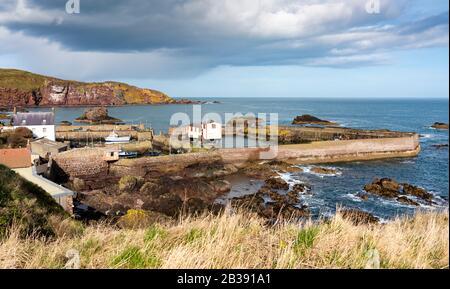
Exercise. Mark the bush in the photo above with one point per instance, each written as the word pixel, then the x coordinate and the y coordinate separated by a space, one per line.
pixel 23 132
pixel 134 219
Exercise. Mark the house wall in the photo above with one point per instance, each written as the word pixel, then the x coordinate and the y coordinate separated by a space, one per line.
pixel 212 131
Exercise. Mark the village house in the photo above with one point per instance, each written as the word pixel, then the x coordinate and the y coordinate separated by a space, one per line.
pixel 204 131
pixel 16 158
pixel 42 124
pixel 46 148
pixel 212 131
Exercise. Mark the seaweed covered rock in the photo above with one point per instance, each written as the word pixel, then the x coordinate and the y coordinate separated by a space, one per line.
pixel 276 183
pixel 358 217
pixel 389 188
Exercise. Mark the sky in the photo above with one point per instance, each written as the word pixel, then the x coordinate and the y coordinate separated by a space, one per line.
pixel 237 48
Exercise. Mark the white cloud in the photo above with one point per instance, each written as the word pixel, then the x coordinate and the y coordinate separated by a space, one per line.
pixel 183 38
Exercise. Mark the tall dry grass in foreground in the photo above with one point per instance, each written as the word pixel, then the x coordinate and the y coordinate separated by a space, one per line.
pixel 243 241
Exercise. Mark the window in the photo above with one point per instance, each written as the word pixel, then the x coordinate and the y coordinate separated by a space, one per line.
pixel 112 154
pixel 213 125
pixel 44 130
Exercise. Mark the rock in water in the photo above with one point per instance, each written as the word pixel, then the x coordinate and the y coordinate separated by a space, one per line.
pixel 440 125
pixel 389 188
pixel 97 115
pixel 417 192
pixel 324 171
pixel 276 184
pixel 309 119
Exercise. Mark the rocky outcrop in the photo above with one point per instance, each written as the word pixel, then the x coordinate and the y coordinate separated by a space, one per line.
pixel 275 200
pixel 358 217
pixel 402 192
pixel 324 171
pixel 440 146
pixel 264 170
pixel 21 88
pixel 440 125
pixel 309 119
pixel 97 115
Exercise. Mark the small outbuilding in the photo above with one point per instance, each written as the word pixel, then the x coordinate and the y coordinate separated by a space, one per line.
pixel 46 148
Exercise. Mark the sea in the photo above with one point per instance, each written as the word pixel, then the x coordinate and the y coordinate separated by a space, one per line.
pixel 430 169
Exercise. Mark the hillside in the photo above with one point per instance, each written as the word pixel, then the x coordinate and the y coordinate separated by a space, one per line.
pixel 27 207
pixel 22 88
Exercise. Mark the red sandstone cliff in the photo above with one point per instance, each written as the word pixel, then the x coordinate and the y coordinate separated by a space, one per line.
pixel 21 88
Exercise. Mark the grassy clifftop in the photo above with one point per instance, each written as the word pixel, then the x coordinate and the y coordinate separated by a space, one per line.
pixel 23 80
pixel 230 240
pixel 34 89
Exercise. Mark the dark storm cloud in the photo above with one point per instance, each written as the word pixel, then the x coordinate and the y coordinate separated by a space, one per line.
pixel 213 33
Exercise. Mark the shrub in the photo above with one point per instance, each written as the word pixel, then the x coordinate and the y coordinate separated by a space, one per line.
pixel 23 132
pixel 134 219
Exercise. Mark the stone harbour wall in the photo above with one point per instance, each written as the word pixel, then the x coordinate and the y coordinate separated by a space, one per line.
pixel 88 162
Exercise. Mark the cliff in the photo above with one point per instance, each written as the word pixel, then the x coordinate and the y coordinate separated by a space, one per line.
pixel 21 88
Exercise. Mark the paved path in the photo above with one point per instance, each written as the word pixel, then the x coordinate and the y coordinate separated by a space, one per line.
pixel 50 187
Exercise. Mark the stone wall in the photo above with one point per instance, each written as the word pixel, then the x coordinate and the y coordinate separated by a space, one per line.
pixel 88 163
pixel 85 163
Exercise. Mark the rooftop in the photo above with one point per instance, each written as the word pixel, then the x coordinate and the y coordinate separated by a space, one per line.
pixel 16 158
pixel 33 118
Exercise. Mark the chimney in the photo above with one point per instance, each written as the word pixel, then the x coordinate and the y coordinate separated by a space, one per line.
pixel 15 110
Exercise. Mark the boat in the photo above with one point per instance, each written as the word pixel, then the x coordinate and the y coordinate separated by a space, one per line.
pixel 129 155
pixel 115 138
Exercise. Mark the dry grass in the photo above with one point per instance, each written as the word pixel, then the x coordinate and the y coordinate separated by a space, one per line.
pixel 242 241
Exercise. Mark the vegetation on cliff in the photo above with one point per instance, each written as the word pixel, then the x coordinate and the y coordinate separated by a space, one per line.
pixel 22 88
pixel 36 233
pixel 27 207
pixel 242 240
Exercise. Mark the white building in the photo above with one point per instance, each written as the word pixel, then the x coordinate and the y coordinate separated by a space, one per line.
pixel 212 131
pixel 42 124
pixel 205 131
pixel 193 132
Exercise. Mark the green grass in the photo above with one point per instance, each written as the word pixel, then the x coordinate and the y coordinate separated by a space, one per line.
pixel 305 238
pixel 25 204
pixel 133 258
pixel 154 232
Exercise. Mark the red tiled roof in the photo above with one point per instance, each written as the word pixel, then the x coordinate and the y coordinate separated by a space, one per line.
pixel 15 158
